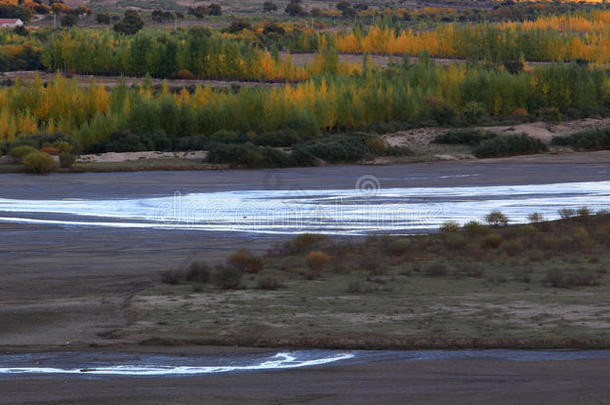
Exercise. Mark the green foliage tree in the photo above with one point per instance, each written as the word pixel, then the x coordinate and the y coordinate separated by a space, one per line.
pixel 269 7
pixel 130 24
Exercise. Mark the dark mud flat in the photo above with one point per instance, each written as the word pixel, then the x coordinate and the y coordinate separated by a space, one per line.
pixel 433 174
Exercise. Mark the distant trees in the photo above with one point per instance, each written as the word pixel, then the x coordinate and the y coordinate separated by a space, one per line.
pixel 161 16
pixel 295 9
pixel 69 20
pixel 199 11
pixel 102 18
pixel 14 11
pixel 130 24
pixel 325 102
pixel 215 9
pixel 269 7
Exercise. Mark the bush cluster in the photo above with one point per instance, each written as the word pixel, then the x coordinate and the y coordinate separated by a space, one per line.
pixel 595 139
pixel 509 145
pixel 464 137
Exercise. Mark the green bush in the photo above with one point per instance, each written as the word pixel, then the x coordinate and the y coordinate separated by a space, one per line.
pixel 450 226
pixel 474 228
pixel 464 137
pixel 509 145
pixel 66 160
pixel 38 162
pixel 595 139
pixel 38 141
pixel 227 277
pixel 337 148
pixel 224 136
pixel 19 152
pixel 198 272
pixel 248 155
pixel 280 138
pixel 496 218
pixel 128 141
pixel 302 156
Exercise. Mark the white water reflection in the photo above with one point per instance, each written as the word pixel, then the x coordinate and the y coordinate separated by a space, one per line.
pixel 352 211
pixel 278 362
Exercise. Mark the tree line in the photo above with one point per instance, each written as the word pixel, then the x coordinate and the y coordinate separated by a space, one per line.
pixel 418 94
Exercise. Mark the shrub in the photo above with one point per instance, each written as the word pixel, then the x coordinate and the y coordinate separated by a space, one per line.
pixel 491 241
pixel 245 261
pixel 496 218
pixel 514 247
pixel 302 156
pixel 450 226
pixel 436 270
pixel 316 260
pixel 69 20
pixel 51 150
pixel 19 152
pixel 474 228
pixel 550 115
pixel 304 241
pixel 509 145
pixel 595 139
pixel 398 247
pixel 535 218
pixel 377 144
pixel 40 140
pixel 248 155
pixel 227 277
pixel 337 148
pixel 464 137
pixel 583 212
pixel 280 138
pixel 66 160
pixel 224 135
pixel 184 74
pixel 198 272
pixel 567 213
pixel 172 277
pixel 576 278
pixel 455 240
pixel 440 111
pixel 102 18
pixel 474 112
pixel 269 6
pixel 268 283
pixel 38 162
pixel 519 112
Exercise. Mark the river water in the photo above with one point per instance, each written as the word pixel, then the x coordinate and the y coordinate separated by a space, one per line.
pixel 357 211
pixel 125 364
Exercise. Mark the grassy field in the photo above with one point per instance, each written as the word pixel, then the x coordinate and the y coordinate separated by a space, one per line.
pixel 537 285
